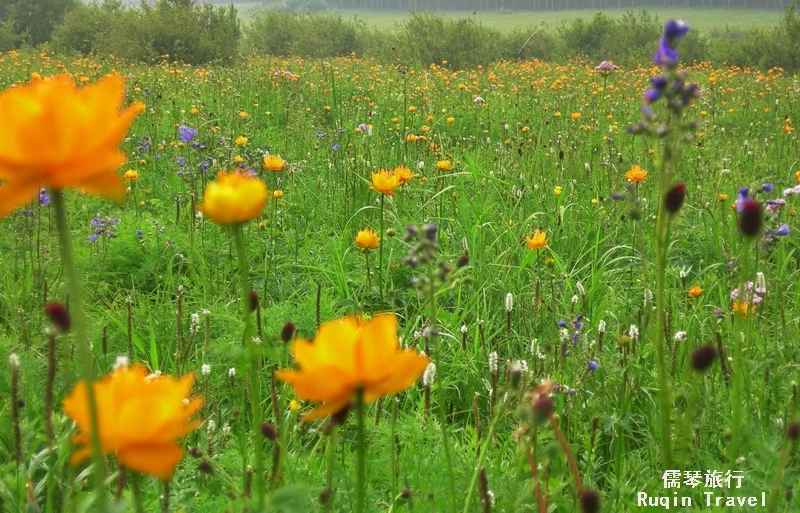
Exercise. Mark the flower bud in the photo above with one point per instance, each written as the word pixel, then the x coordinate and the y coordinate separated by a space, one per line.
pixel 673 201
pixel 751 218
pixel 269 432
pixel 590 501
pixel 59 316
pixel 253 300
pixel 287 333
pixel 195 452
pixel 542 409
pixel 703 357
pixel 793 431
pixel 205 467
pixel 462 261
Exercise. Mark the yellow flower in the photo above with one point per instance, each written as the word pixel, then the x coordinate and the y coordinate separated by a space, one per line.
pixel 367 239
pixel 403 174
pixel 557 114
pixel 450 120
pixel 722 197
pixel 385 182
pixel 140 419
pixel 636 174
pixel 238 159
pixel 193 110
pixel 294 406
pixel 538 240
pixel 557 190
pixel 274 162
pixel 444 165
pixel 234 198
pixel 131 175
pixel 576 116
pixel 797 175
pixel 349 355
pixel 277 194
pixel 695 291
pixel 241 140
pixel 244 115
pixel 742 307
pixel 58 136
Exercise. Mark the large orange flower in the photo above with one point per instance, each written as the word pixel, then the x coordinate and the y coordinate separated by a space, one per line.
pixel 385 182
pixel 140 419
pixel 234 198
pixel 59 136
pixel 537 240
pixel 348 355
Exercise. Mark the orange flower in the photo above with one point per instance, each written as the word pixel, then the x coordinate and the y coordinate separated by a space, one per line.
pixel 403 174
pixel 131 175
pixel 576 116
pixel 140 419
pixel 695 291
pixel 350 355
pixel 741 308
pixel 444 165
pixel 273 163
pixel 636 174
pixel 385 182
pixel 367 239
pixel 59 136
pixel 234 198
pixel 538 240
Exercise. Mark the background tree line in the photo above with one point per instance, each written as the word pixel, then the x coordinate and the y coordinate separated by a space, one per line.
pixel 513 5
pixel 204 33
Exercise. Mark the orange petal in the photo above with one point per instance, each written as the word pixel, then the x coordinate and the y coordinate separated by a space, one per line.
pixel 155 460
pixel 406 368
pixel 106 185
pixel 375 347
pixel 328 408
pixel 321 384
pixel 13 195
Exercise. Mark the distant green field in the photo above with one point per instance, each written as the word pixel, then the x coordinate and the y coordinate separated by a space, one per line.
pixel 705 20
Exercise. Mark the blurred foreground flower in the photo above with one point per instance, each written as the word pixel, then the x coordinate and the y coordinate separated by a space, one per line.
pixel 349 355
pixel 234 198
pixel 59 136
pixel 140 419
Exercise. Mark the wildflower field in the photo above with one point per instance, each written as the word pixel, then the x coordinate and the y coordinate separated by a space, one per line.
pixel 349 285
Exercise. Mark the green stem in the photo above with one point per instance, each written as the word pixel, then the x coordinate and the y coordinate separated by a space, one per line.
pixel 380 249
pixel 440 389
pixel 331 461
pixel 137 493
pixel 252 364
pixel 361 464
pixel 79 321
pixel 483 449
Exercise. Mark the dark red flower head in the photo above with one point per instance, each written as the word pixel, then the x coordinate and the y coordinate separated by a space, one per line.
pixel 59 316
pixel 751 218
pixel 673 201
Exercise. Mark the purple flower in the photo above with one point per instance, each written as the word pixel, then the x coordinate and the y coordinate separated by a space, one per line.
pixel 742 198
pixel 187 133
pixel 181 161
pixel 783 231
pixel 562 323
pixel 605 66
pixel 767 187
pixel 593 365
pixel 44 198
pixel 336 147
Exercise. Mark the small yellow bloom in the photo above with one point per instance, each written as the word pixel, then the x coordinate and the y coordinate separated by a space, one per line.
pixel 412 109
pixel 797 175
pixel 349 355
pixel 549 261
pixel 557 114
pixel 576 116
pixel 385 182
pixel 238 159
pixel 557 190
pixel 241 140
pixel 59 136
pixel 444 165
pixel 742 307
pixel 636 174
pixel 140 419
pixel 273 162
pixel 234 198
pixel 193 111
pixel 367 239
pixel 131 175
pixel 722 197
pixel 537 241
pixel 244 115
pixel 294 406
pixel 695 291
pixel 277 194
pixel 450 120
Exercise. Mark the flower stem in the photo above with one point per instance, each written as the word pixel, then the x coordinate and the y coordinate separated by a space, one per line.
pixel 78 316
pixel 332 440
pixel 137 493
pixel 380 251
pixel 361 464
pixel 440 389
pixel 252 364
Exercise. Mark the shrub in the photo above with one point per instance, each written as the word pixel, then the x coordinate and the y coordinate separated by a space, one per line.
pixel 315 35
